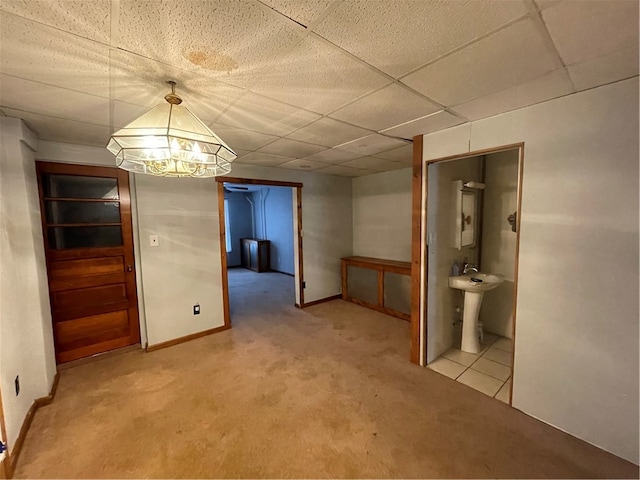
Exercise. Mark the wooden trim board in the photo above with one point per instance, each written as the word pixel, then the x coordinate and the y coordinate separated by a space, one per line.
pixel 322 300
pixel 11 459
pixel 223 256
pixel 416 245
pixel 255 181
pixel 186 338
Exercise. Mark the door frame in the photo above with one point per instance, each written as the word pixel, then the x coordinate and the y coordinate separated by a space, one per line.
pixel 419 249
pixel 297 221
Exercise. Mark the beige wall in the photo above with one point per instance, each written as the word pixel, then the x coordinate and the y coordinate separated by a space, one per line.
pixel 498 240
pixel 26 338
pixel 576 341
pixel 382 215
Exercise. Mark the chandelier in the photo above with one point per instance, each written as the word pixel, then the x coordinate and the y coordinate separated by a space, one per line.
pixel 170 141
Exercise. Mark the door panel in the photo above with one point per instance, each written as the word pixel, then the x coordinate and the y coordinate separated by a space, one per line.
pixel 86 219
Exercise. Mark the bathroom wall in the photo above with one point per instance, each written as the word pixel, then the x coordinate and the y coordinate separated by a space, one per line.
pixel 577 332
pixel 240 218
pixel 382 215
pixel 26 334
pixel 442 300
pixel 498 250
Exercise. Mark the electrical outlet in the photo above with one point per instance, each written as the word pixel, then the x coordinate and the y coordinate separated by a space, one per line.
pixel 304 284
pixel 196 309
pixel 17 383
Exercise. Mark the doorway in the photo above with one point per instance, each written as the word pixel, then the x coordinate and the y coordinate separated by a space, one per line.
pixel 247 245
pixel 472 217
pixel 88 242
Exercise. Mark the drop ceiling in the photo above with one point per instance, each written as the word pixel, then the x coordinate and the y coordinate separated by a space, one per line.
pixel 336 87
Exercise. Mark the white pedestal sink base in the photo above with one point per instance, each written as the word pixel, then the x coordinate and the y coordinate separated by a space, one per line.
pixel 470 340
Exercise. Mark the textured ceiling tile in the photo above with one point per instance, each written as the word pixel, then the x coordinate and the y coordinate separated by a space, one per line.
pixel 373 163
pixel 552 85
pixel 239 138
pixel 606 69
pixel 399 36
pixel 142 81
pixel 582 30
pixel 302 12
pixel 264 159
pixel 255 112
pixel 430 123
pixel 62 130
pixel 318 77
pixel 514 55
pixel 124 113
pixel 291 148
pixel 86 19
pixel 544 4
pixel 37 52
pixel 303 164
pixel 341 171
pixel 332 155
pixel 385 108
pixel 232 41
pixel 402 154
pixel 328 132
pixel 372 145
pixel 53 101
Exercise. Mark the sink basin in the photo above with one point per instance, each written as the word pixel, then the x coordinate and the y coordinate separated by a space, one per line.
pixel 473 293
pixel 465 282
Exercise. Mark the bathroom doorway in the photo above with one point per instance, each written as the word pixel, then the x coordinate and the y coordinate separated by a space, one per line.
pixel 472 236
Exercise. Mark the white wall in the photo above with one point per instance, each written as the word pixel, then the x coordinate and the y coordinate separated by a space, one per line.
pixel 441 299
pixel 26 335
pixel 382 215
pixel 498 252
pixel 240 217
pixel 576 344
pixel 275 219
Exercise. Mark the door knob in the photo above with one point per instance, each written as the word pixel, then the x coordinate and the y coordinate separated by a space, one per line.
pixel 129 268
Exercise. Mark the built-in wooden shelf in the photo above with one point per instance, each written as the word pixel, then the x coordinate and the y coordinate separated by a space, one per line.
pixel 382 267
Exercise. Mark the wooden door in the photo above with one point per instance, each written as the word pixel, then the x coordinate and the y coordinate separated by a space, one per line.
pixel 86 220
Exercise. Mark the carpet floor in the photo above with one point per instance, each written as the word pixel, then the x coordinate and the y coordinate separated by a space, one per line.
pixel 325 392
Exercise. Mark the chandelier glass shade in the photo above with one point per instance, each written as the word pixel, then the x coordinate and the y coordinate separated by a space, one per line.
pixel 170 141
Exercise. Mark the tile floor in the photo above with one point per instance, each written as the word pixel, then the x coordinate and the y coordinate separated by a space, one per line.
pixel 488 371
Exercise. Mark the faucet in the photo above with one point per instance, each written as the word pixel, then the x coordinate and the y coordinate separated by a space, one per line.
pixel 467 268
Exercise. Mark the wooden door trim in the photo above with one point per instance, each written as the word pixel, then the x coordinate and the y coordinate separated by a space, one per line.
pixel 223 238
pixel 416 240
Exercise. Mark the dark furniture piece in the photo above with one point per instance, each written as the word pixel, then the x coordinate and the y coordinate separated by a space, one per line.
pixel 255 254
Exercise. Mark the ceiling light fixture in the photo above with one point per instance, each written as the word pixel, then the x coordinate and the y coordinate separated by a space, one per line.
pixel 170 141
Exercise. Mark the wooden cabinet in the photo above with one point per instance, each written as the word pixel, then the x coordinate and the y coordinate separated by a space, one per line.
pixel 255 254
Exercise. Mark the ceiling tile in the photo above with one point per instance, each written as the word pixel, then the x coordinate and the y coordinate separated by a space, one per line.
pixel 606 69
pixel 302 12
pixel 241 153
pixel 374 164
pixel 332 155
pixel 585 30
pixel 544 4
pixel 302 164
pixel 142 81
pixel 385 108
pixel 61 130
pixel 319 77
pixel 53 101
pixel 90 20
pixel 427 124
pixel 402 154
pixel 124 113
pixel 264 159
pixel 551 85
pixel 402 35
pixel 371 145
pixel 233 41
pixel 255 112
pixel 291 148
pixel 328 132
pixel 36 52
pixel 239 138
pixel 514 55
pixel 341 171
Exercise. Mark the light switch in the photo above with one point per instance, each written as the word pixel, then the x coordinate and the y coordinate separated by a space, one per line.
pixel 154 241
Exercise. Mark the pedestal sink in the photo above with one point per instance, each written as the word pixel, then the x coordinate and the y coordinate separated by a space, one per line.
pixel 474 286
